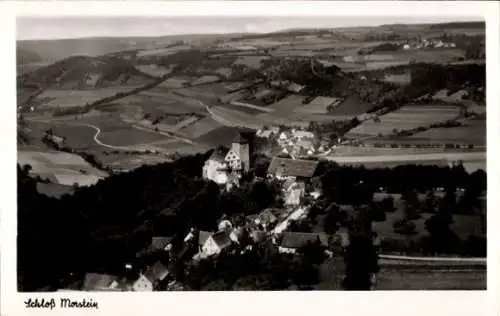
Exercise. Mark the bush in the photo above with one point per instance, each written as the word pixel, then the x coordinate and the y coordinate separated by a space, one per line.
pixel 404 227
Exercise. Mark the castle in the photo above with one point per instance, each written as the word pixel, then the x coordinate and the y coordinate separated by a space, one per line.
pixel 226 167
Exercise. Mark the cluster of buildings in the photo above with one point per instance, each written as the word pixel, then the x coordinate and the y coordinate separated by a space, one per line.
pixel 226 167
pixel 295 142
pixel 425 43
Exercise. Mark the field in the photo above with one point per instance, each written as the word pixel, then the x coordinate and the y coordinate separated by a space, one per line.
pixel 175 82
pixel 162 51
pixel 220 136
pixel 77 98
pixel 319 105
pixel 424 279
pixel 205 80
pixel 154 70
pixel 287 104
pixel 66 168
pixel 405 118
pixel 473 133
pixel 250 61
pixel 200 128
pixel 351 106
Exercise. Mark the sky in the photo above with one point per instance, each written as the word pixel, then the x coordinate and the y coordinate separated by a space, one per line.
pixel 77 27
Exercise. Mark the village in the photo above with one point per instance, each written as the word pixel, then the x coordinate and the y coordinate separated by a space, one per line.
pixel 271 225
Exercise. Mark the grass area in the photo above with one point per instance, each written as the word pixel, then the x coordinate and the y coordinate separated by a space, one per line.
pixel 200 128
pixel 351 106
pixel 474 132
pixel 405 118
pixel 66 168
pixel 407 280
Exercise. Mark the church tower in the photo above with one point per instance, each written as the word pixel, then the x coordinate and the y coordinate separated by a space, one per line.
pixel 241 147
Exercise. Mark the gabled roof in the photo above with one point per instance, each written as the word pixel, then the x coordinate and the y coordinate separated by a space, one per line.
pixel 203 236
pixel 97 281
pixel 297 240
pixel 221 238
pixel 159 243
pixel 157 272
pixel 293 167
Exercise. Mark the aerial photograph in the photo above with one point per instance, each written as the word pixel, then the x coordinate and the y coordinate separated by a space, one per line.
pixel 216 153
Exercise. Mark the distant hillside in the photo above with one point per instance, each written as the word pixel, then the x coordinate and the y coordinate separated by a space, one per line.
pixel 82 71
pixel 24 56
pixel 460 25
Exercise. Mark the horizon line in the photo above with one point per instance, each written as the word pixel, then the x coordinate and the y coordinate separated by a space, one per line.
pixel 97 37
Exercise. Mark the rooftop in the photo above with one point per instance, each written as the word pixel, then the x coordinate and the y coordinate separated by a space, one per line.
pixel 293 167
pixel 297 240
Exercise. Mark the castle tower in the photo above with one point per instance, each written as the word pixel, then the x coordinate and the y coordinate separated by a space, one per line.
pixel 241 147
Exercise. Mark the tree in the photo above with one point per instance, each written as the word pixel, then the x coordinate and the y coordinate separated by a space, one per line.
pixel 312 252
pixel 361 261
pixel 334 218
pixel 27 168
pixel 430 202
pixel 411 205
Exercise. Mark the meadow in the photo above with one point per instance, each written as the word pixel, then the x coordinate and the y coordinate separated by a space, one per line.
pixel 405 118
pixel 66 168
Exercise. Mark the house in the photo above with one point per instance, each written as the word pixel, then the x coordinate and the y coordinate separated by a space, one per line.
pixel 294 87
pixel 214 243
pixel 406 46
pixel 295 193
pixel 151 279
pixel 283 168
pixel 290 242
pixel 100 282
pixel 299 135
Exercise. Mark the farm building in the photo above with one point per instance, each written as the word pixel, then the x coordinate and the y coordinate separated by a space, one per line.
pixel 151 279
pixel 213 243
pixel 290 242
pixel 283 168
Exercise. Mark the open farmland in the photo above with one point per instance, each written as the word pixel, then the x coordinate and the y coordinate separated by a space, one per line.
pixel 390 157
pixel 76 98
pixel 200 127
pixel 66 168
pixel 319 105
pixel 204 80
pixel 221 136
pixel 351 106
pixel 154 70
pixel 288 104
pixel 422 279
pixel 405 118
pixel 229 117
pixel 250 61
pixel 162 51
pixel 174 82
pixel 474 132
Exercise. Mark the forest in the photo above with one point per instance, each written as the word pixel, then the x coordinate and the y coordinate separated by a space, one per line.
pixel 99 227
